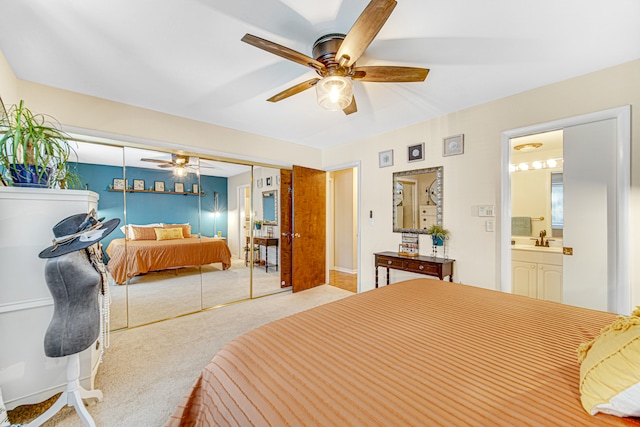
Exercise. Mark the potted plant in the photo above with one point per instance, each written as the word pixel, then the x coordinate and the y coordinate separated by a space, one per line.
pixel 258 224
pixel 33 148
pixel 438 234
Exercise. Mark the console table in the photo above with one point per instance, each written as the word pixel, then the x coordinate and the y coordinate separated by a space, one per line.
pixel 431 266
pixel 266 242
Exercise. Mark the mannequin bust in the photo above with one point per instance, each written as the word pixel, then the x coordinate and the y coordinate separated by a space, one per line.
pixel 75 285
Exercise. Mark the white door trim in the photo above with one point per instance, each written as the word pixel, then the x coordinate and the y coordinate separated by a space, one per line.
pixel 621 304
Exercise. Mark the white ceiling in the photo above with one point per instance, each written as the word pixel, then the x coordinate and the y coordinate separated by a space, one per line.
pixel 186 58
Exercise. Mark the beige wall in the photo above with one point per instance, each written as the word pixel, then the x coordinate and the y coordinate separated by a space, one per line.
pixel 8 83
pixel 473 178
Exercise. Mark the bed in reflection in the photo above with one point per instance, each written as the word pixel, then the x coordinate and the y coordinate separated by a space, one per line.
pixel 161 247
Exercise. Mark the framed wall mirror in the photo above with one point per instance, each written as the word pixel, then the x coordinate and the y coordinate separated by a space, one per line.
pixel 270 207
pixel 417 199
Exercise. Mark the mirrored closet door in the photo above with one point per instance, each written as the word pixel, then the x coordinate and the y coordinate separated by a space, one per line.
pixel 161 254
pixel 98 166
pixel 228 215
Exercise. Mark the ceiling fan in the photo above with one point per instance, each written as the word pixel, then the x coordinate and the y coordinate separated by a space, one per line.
pixel 178 163
pixel 335 57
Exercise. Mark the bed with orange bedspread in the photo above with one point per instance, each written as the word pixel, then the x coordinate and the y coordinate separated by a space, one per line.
pixel 129 258
pixel 417 353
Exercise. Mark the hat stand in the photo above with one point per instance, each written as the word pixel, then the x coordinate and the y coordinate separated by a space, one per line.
pixel 72 396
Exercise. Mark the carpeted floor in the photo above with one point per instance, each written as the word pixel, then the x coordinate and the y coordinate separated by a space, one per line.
pixel 148 369
pixel 160 295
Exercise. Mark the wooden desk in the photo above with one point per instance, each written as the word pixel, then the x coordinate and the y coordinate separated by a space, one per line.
pixel 266 242
pixel 439 267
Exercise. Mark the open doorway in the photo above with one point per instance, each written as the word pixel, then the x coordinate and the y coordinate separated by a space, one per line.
pixel 342 228
pixel 596 183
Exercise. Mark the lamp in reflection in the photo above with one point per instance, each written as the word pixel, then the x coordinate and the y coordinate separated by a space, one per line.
pixel 216 212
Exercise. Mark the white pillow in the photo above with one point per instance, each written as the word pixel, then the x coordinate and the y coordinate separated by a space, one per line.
pixel 129 234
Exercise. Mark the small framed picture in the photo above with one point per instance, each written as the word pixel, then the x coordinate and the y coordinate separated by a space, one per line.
pixel 138 184
pixel 268 179
pixel 453 145
pixel 194 188
pixel 277 179
pixel 119 184
pixel 385 158
pixel 415 152
pixel 158 186
pixel 259 183
pixel 179 187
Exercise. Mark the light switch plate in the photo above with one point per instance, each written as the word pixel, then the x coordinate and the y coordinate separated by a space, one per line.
pixel 488 225
pixel 485 210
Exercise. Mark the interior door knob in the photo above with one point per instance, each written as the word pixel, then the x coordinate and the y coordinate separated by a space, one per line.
pixel 296 235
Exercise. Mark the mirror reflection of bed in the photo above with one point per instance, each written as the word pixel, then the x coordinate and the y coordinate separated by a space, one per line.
pixel 165 194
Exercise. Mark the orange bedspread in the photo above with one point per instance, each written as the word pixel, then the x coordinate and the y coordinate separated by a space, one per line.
pixel 417 353
pixel 142 256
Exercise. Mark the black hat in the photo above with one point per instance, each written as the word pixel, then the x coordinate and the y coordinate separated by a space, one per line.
pixel 78 232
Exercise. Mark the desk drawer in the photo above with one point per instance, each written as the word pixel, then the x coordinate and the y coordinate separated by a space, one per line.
pixel 422 267
pixel 390 262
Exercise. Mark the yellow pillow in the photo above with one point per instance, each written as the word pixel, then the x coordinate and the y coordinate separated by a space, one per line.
pixel 610 369
pixel 168 233
pixel 186 228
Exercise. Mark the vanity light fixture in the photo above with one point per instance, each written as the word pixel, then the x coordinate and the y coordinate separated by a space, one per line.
pixel 530 146
pixel 537 165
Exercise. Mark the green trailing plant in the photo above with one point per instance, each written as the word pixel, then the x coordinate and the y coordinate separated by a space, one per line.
pixel 33 139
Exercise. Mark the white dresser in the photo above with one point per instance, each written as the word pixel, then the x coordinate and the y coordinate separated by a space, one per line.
pixel 27 216
pixel 427 216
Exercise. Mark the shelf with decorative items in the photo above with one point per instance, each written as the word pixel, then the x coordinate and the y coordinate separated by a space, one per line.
pixel 184 193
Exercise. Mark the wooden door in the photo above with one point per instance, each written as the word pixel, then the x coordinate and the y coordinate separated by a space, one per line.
pixel 286 228
pixel 309 228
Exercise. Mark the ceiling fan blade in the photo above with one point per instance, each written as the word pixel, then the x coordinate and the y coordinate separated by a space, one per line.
pixel 364 31
pixel 166 165
pixel 389 74
pixel 294 90
pixel 351 108
pixel 155 161
pixel 283 51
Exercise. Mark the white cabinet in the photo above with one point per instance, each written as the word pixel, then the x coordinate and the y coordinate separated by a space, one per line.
pixel 427 216
pixel 537 274
pixel 27 216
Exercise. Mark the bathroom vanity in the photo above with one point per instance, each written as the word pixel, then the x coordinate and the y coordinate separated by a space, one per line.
pixel 536 272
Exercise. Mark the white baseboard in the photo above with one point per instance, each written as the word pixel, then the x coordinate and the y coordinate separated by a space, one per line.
pixel 344 270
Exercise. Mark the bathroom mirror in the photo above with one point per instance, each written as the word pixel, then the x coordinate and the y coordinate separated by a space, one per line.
pixel 417 200
pixel 270 207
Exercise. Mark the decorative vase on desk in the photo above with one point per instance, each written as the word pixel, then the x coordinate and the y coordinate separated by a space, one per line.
pixel 437 240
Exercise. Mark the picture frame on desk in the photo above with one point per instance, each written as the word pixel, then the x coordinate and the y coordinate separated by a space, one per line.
pixel 158 186
pixel 138 184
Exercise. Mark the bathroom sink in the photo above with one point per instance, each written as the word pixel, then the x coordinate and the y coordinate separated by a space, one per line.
pixel 537 248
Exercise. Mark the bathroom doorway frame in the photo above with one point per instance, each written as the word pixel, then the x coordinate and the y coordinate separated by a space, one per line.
pixel 621 301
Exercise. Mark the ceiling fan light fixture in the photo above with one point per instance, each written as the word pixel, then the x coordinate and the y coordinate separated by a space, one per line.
pixel 334 92
pixel 180 171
